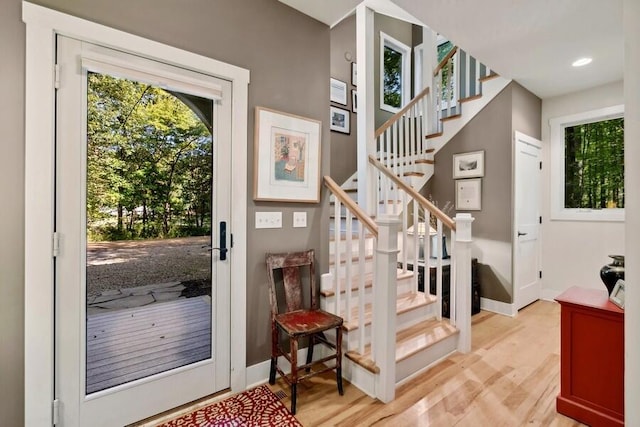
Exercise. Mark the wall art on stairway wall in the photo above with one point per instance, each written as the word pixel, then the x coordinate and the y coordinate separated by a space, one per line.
pixel 468 165
pixel 339 120
pixel 469 194
pixel 338 91
pixel 286 157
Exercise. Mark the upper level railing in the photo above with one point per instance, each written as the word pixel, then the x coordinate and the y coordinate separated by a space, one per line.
pixel 456 79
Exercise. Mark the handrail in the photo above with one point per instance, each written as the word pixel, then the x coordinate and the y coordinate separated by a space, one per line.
pixel 351 205
pixel 444 61
pixel 446 220
pixel 400 113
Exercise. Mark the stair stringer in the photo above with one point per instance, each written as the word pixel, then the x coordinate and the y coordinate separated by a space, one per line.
pixel 490 89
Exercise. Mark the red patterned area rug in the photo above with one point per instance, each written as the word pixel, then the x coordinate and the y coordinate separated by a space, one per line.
pixel 257 407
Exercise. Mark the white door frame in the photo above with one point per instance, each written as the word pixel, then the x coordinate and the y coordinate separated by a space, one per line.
pixel 538 144
pixel 42 25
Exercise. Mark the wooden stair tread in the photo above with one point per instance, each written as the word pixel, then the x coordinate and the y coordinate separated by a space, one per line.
pixel 452 117
pixel 433 135
pixel 363 361
pixel 355 283
pixel 423 335
pixel 489 77
pixel 413 174
pixel 408 342
pixel 404 303
pixel 354 258
pixel 470 98
pixel 368 282
pixel 425 161
pixel 354 235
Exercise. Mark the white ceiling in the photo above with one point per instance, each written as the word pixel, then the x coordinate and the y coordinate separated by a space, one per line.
pixel 532 42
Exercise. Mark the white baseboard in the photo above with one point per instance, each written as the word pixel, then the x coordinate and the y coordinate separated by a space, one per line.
pixel 550 294
pixel 499 307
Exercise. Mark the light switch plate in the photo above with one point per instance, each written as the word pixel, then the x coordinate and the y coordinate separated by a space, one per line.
pixel 299 219
pixel 268 219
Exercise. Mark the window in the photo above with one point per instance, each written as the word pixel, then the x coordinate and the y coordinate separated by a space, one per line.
pixel 587 175
pixel 395 63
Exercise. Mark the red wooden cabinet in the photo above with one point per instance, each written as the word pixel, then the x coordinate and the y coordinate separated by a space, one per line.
pixel 591 358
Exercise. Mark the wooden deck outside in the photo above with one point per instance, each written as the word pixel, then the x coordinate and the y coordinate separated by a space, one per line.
pixel 130 344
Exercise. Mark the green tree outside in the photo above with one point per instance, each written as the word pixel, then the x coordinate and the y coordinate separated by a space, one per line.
pixel 149 163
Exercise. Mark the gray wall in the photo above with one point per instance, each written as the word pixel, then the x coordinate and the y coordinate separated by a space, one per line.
pixel 288 56
pixel 491 130
pixel 344 147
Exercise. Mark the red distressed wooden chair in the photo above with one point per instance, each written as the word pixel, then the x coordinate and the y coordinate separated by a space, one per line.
pixel 297 322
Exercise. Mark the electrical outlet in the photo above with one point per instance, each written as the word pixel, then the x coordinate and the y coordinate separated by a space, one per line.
pixel 268 219
pixel 299 219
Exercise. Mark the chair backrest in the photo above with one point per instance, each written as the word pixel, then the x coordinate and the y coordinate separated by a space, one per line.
pixel 292 265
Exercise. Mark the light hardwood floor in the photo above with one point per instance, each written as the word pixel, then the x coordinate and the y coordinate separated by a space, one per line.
pixel 511 378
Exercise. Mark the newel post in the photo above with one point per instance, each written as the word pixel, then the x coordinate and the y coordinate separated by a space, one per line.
pixel 463 280
pixel 384 307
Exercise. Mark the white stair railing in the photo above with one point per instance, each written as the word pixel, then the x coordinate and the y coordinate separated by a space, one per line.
pixel 419 233
pixel 458 77
pixel 401 144
pixel 341 281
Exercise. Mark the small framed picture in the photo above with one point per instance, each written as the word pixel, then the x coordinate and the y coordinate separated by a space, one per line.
pixel 354 74
pixel 354 100
pixel 617 295
pixel 339 120
pixel 469 194
pixel 468 165
pixel 338 91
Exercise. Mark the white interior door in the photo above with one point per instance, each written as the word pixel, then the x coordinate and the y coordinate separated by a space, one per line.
pixel 142 325
pixel 526 259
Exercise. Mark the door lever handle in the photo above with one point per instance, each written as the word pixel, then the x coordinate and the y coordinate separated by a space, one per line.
pixel 521 234
pixel 223 241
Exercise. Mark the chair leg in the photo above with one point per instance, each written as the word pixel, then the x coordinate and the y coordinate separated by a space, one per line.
pixel 294 373
pixel 274 353
pixel 272 371
pixel 339 360
pixel 294 388
pixel 311 345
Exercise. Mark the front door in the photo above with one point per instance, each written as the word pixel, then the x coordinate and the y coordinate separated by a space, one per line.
pixel 526 247
pixel 142 198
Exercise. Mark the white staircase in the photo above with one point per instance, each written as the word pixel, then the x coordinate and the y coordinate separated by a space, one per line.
pixel 392 329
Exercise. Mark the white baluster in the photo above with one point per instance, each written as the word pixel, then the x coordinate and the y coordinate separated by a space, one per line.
pixel 336 254
pixel 348 261
pixel 439 268
pixel 361 286
pixel 416 243
pixel 405 242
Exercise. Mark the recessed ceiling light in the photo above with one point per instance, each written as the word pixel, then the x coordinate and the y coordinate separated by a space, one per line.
pixel 581 62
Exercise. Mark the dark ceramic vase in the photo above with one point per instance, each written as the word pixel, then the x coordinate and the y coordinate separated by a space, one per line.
pixel 610 273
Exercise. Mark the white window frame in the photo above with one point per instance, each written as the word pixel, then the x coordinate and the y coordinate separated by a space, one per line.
pixel 557 126
pixel 388 41
pixel 418 77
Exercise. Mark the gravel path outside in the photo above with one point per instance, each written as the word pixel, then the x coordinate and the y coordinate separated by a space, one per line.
pixel 131 263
